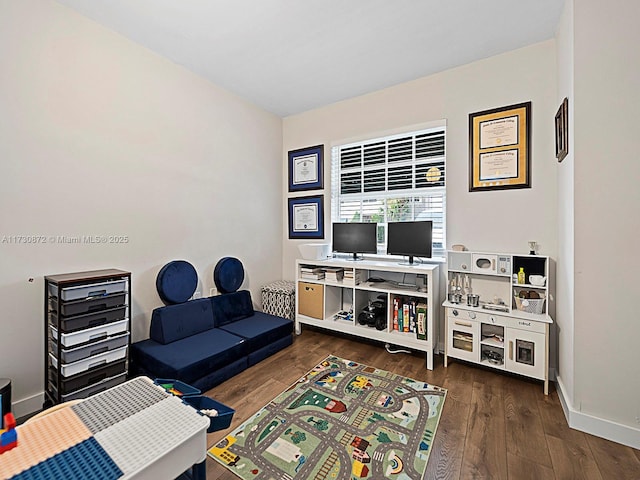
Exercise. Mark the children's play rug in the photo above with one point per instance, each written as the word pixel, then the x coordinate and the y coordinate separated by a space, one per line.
pixel 342 420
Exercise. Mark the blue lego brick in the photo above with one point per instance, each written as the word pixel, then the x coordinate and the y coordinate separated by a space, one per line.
pixel 86 460
pixel 8 437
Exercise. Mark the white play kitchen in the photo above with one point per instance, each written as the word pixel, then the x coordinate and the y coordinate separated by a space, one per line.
pixel 497 312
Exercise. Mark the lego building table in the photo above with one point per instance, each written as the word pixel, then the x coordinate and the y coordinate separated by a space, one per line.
pixel 133 430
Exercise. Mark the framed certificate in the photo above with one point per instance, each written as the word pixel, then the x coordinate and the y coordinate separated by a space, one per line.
pixel 306 217
pixel 499 148
pixel 306 168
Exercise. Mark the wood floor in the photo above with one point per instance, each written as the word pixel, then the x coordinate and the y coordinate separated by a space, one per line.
pixel 493 426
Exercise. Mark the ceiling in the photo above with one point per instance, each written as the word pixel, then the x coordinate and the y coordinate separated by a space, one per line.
pixel 290 56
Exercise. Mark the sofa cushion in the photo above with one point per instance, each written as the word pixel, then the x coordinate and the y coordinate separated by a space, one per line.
pixel 228 274
pixel 176 282
pixel 190 358
pixel 231 307
pixel 175 322
pixel 260 329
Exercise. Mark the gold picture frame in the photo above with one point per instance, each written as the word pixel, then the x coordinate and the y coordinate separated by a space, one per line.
pixel 500 148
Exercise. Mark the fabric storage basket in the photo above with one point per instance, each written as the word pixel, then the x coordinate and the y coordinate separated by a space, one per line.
pixel 220 420
pixel 176 387
pixel 279 298
pixel 530 305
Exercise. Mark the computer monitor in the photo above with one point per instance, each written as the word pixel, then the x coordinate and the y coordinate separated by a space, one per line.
pixel 412 239
pixel 355 238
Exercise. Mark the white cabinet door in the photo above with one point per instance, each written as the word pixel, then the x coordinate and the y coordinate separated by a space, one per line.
pixel 463 339
pixel 525 353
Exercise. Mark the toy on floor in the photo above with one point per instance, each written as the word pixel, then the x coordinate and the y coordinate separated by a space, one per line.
pixel 8 435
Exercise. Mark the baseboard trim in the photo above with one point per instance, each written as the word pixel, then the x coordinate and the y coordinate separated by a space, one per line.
pixel 616 432
pixel 28 405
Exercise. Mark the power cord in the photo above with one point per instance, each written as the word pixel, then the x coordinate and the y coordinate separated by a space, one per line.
pixel 388 349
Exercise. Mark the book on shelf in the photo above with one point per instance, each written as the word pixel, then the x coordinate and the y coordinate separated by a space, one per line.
pixel 334 274
pixel 310 269
pixel 352 278
pixel 421 321
pixel 395 314
pixel 312 276
pixel 405 314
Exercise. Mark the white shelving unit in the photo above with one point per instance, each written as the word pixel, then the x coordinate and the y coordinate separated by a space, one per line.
pixel 502 331
pixel 319 300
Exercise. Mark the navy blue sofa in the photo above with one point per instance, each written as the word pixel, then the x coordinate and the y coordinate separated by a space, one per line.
pixel 206 341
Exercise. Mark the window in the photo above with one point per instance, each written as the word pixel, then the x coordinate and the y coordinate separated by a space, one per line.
pixel 391 179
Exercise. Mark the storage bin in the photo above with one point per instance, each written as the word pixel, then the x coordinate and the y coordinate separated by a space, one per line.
pixel 220 421
pixel 176 387
pixel 89 320
pixel 88 291
pixel 79 307
pixel 530 305
pixel 90 377
pixel 90 363
pixel 279 298
pixel 74 354
pixel 90 334
pixel 95 388
pixel 311 298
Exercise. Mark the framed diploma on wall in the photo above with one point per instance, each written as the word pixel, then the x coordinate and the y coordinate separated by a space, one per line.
pixel 306 217
pixel 306 168
pixel 499 148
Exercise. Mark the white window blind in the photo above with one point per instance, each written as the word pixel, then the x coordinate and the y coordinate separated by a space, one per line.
pixel 392 179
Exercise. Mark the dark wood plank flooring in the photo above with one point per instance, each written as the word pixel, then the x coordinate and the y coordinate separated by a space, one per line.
pixel 493 426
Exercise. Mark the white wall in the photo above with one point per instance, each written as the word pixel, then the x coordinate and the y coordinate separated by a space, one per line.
pixel 566 207
pixel 500 221
pixel 607 222
pixel 492 221
pixel 100 136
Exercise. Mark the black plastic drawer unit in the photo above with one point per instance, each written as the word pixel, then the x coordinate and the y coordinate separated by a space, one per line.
pixel 87 333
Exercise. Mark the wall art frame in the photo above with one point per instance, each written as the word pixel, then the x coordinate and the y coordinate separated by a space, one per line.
pixel 562 130
pixel 306 168
pixel 500 148
pixel 306 217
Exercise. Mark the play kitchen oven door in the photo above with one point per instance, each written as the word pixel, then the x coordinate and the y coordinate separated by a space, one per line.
pixel 462 338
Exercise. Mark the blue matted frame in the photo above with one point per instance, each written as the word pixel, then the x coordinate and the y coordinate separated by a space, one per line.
pixel 306 217
pixel 306 167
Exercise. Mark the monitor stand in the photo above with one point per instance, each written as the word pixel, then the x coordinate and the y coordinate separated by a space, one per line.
pixel 410 262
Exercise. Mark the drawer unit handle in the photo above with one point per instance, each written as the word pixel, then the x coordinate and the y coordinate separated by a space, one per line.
pixel 100 306
pixel 99 350
pixel 98 335
pixel 510 349
pixel 463 324
pixel 97 322
pixel 97 364
pixel 97 378
pixel 97 293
